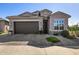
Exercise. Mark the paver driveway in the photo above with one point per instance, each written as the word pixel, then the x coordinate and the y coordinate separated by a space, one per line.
pixel 36 45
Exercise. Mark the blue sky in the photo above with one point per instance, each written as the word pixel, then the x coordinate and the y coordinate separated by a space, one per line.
pixel 9 9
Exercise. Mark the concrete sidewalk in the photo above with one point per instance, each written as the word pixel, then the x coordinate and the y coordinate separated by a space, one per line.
pixel 29 50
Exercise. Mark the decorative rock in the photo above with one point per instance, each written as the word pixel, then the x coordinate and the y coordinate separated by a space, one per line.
pixel 59 44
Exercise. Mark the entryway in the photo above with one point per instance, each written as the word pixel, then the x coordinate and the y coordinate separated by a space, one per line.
pixel 45 26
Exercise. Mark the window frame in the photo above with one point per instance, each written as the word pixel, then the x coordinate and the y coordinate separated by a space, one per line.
pixel 58 22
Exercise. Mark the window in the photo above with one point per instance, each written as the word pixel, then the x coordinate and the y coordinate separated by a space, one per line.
pixel 59 24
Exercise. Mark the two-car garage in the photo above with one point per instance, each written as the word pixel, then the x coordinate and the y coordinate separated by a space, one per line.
pixel 26 27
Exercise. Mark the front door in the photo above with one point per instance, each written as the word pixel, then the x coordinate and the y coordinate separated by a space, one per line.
pixel 45 26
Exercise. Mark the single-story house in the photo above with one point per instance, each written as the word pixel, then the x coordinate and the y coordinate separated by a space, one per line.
pixel 4 25
pixel 39 21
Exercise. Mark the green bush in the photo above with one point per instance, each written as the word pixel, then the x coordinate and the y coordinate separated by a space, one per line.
pixel 53 39
pixel 1 32
pixel 66 34
pixel 77 33
pixel 71 37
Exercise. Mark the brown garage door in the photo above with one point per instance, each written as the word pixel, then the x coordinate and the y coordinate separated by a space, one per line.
pixel 26 27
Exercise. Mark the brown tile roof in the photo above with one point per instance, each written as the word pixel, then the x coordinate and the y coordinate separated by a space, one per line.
pixel 31 15
pixel 21 17
pixel 61 13
pixel 46 10
pixel 36 11
pixel 25 14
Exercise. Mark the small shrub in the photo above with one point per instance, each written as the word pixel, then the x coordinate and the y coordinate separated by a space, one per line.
pixel 1 32
pixel 71 37
pixel 77 33
pixel 53 39
pixel 66 34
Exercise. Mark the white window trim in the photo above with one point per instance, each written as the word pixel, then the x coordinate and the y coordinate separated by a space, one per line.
pixel 58 27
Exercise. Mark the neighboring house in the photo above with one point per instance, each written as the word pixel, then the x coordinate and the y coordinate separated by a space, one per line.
pixel 44 21
pixel 4 25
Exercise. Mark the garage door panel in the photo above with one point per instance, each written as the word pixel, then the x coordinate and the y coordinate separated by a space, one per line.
pixel 26 27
